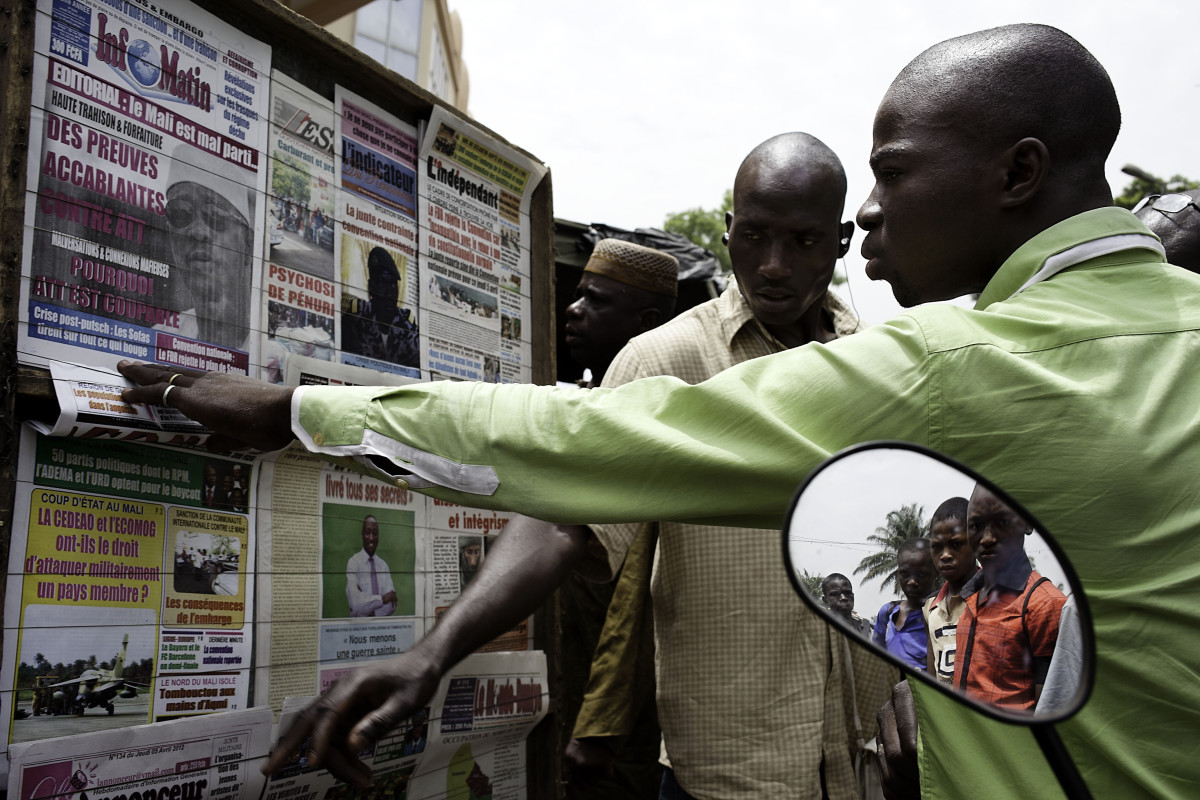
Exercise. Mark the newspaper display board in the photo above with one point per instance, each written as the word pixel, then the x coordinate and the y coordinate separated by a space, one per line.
pixel 131 586
pixel 474 250
pixel 215 757
pixel 376 247
pixel 470 741
pixel 145 177
pixel 189 206
pixel 301 293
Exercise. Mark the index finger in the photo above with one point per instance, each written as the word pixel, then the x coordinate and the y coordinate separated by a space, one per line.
pixel 146 374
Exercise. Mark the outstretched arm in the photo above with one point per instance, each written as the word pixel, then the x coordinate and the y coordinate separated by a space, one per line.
pixel 528 561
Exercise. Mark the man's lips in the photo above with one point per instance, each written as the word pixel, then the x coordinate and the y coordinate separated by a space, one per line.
pixel 771 296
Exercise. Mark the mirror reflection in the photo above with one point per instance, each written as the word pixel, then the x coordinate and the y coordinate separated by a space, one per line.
pixel 941 571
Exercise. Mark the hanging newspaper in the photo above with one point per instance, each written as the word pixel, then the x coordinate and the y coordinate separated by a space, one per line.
pixel 474 247
pixel 469 742
pixel 358 540
pixel 214 757
pixel 90 406
pixel 301 293
pixel 130 586
pixel 145 175
pixel 376 235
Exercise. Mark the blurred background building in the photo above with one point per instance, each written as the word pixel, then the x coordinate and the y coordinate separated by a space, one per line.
pixel 419 39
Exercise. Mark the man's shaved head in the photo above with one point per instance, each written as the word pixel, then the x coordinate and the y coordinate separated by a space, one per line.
pixel 786 234
pixel 1021 81
pixel 980 144
pixel 786 158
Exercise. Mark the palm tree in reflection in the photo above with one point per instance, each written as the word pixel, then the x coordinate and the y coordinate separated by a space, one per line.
pixel 811 582
pixel 906 522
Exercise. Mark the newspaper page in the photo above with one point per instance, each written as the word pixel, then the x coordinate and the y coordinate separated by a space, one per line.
pixel 130 586
pixel 215 757
pixel 301 293
pixel 356 539
pixel 143 216
pixel 458 541
pixel 376 244
pixel 474 251
pixel 469 743
pixel 90 406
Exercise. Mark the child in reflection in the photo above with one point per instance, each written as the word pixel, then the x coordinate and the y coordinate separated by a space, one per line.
pixel 900 624
pixel 954 559
pixel 1008 628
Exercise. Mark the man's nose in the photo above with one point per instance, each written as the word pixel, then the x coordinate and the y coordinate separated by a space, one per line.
pixel 870 213
pixel 778 263
pixel 575 309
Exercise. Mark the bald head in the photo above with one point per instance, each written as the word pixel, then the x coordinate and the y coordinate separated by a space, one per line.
pixel 1021 81
pixel 980 144
pixel 786 234
pixel 786 161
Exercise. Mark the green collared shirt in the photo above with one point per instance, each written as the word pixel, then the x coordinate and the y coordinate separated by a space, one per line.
pixel 1076 392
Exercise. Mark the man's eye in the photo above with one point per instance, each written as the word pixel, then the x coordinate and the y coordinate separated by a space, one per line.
pixel 752 236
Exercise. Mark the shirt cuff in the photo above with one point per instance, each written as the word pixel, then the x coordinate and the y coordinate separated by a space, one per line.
pixel 396 462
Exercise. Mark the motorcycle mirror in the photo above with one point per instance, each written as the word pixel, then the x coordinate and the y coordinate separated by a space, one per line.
pixel 1013 643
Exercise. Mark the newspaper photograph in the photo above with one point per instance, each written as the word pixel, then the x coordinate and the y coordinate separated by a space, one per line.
pixel 469 743
pixel 130 585
pixel 143 214
pixel 376 248
pixel 474 251
pixel 459 538
pixel 343 551
pixel 301 292
pixel 215 757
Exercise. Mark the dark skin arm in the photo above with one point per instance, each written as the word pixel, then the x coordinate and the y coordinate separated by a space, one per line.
pixel 528 561
pixel 898 768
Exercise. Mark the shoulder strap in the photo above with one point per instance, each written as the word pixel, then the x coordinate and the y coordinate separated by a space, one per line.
pixel 1025 604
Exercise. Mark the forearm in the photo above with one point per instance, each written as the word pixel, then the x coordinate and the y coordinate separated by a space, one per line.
pixel 527 562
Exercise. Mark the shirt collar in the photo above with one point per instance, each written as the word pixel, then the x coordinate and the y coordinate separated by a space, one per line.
pixel 1013 577
pixel 1083 237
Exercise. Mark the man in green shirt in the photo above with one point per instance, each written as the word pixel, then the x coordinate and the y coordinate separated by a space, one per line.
pixel 1072 384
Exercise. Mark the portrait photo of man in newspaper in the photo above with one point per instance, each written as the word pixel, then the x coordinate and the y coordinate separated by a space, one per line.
pixel 210 230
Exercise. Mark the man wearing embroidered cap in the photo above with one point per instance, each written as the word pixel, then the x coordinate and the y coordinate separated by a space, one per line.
pixel 626 289
pixel 210 217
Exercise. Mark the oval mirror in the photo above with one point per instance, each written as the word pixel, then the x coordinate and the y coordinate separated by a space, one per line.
pixel 942 573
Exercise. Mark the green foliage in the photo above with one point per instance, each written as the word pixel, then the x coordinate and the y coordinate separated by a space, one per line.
pixel 1139 188
pixel 290 179
pixel 704 227
pixel 811 582
pixel 906 522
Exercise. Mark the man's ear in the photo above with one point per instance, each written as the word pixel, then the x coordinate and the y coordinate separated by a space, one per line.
pixel 1026 165
pixel 649 319
pixel 728 220
pixel 844 241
